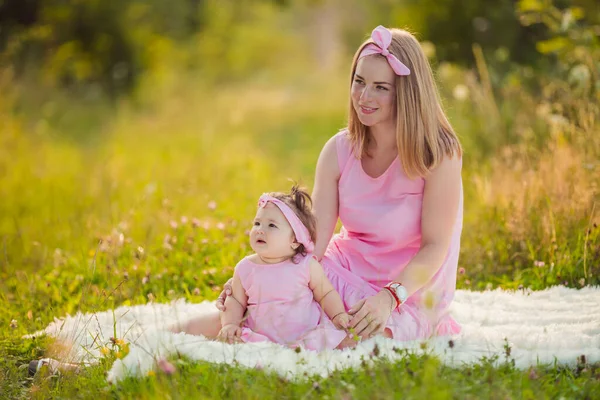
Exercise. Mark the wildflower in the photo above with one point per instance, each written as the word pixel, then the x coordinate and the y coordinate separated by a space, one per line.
pixel 145 280
pixel 539 264
pixel 461 271
pixel 467 282
pixel 14 324
pixel 196 292
pixel 533 375
pixel 140 251
pixel 184 220
pixel 151 373
pixel 166 367
pixel 150 297
pixel 30 314
pixel 105 350
pixel 195 222
pixel 489 286
pixel 212 205
pixel 171 293
pixel 173 224
pixel 582 282
pixel 221 226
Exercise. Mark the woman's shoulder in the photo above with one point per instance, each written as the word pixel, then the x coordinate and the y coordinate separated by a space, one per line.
pixel 338 147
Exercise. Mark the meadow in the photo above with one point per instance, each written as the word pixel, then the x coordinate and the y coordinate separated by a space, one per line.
pixel 149 198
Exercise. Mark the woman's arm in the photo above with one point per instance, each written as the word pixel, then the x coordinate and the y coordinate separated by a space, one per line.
pixel 440 208
pixel 325 196
pixel 235 304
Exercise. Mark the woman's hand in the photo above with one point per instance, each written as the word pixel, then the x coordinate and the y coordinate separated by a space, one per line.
pixel 370 315
pixel 230 333
pixel 227 290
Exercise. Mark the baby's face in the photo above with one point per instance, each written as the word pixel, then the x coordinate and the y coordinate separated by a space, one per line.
pixel 271 236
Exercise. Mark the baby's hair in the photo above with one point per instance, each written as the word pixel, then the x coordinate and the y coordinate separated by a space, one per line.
pixel 300 202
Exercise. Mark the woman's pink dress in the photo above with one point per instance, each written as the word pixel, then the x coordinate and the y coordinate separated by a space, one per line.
pixel 381 233
pixel 281 307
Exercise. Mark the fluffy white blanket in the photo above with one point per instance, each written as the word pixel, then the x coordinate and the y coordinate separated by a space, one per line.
pixel 553 325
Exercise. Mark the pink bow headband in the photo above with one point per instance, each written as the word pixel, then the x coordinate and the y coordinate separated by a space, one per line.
pixel 300 231
pixel 382 39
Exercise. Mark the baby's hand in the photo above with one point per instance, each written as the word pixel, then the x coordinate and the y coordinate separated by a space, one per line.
pixel 341 321
pixel 230 333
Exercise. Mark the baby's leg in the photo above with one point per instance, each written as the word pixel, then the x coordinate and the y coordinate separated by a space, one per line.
pixel 207 324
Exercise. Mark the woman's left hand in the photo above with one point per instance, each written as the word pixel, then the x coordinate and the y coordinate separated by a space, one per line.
pixel 370 315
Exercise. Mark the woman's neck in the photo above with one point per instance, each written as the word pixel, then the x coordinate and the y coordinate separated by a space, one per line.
pixel 383 138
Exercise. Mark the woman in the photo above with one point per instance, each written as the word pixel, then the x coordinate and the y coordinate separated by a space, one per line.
pixel 393 177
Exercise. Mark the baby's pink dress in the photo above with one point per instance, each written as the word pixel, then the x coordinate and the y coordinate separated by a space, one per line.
pixel 381 233
pixel 281 307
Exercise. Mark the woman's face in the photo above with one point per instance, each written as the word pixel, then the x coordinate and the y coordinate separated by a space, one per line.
pixel 373 91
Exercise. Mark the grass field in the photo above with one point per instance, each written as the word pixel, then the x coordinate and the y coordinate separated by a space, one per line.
pixel 163 191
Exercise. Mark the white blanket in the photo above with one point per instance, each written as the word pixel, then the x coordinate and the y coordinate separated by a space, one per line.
pixel 557 324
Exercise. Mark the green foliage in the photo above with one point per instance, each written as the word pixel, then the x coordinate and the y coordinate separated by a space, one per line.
pixel 152 200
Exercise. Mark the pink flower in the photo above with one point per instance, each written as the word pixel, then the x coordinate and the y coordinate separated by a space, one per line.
pixel 212 204
pixel 166 367
pixel 461 271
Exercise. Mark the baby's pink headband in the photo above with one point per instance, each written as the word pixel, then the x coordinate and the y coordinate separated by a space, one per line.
pixel 382 39
pixel 300 231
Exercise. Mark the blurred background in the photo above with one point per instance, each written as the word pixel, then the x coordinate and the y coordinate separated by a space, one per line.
pixel 136 135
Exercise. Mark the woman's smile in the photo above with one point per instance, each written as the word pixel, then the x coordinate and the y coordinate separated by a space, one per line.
pixel 367 110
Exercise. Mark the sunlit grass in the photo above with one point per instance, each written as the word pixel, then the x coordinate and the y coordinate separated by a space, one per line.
pixel 156 206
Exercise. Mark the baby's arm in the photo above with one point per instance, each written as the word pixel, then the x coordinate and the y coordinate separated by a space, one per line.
pixel 327 296
pixel 235 307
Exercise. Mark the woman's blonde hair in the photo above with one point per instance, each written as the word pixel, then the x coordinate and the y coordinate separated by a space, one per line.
pixel 423 132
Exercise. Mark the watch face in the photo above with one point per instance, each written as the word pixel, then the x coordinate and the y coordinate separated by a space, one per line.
pixel 401 292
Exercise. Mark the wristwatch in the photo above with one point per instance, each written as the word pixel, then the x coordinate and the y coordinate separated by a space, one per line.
pixel 398 291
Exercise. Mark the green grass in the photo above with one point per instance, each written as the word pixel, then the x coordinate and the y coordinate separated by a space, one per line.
pixel 164 192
